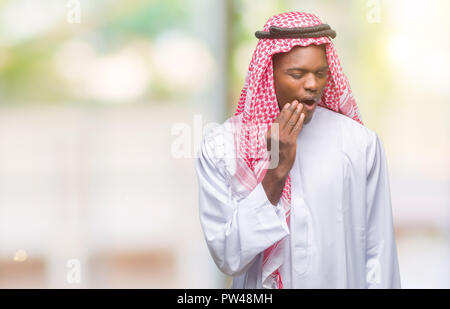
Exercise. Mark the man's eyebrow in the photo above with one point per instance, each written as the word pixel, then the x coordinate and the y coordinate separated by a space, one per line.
pixel 323 68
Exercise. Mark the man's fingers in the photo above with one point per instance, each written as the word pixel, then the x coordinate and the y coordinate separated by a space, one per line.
pixel 294 117
pixel 282 116
pixel 288 114
pixel 299 125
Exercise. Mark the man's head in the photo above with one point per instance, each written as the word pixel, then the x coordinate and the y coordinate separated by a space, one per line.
pixel 289 40
pixel 301 74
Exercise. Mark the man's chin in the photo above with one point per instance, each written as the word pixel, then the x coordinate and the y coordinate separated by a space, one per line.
pixel 308 117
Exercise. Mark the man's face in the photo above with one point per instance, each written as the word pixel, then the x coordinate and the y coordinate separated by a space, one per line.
pixel 301 74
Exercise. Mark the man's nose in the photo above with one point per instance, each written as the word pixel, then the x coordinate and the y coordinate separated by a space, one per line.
pixel 311 83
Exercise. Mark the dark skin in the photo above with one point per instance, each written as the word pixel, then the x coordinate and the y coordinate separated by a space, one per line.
pixel 300 76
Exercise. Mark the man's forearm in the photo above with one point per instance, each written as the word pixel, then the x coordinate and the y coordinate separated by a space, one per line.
pixel 273 184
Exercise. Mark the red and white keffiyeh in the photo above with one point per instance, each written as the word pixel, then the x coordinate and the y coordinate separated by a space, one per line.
pixel 258 108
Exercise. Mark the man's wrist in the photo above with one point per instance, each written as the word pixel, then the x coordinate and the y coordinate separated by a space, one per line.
pixel 273 184
pixel 278 174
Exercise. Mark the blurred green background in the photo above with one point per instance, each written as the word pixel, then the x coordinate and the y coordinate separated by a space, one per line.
pixel 90 93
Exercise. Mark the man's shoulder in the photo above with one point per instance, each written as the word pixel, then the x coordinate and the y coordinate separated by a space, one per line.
pixel 217 134
pixel 218 141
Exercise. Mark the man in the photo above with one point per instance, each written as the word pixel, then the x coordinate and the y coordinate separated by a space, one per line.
pixel 321 216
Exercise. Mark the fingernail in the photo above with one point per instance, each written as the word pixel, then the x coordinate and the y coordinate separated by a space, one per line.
pixel 287 105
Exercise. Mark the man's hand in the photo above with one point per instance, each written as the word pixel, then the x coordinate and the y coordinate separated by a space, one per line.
pixel 290 122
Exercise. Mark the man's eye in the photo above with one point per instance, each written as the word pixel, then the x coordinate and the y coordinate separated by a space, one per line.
pixel 297 76
pixel 321 74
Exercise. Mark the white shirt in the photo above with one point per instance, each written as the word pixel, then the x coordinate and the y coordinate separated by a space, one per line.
pixel 341 229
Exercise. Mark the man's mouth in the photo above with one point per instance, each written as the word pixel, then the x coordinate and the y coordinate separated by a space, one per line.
pixel 309 103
